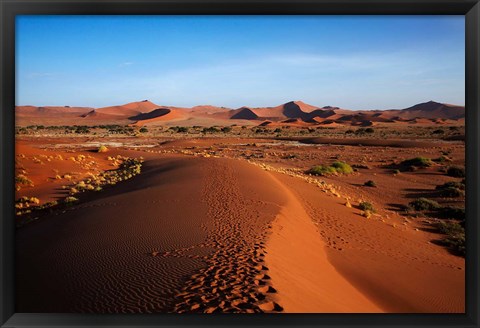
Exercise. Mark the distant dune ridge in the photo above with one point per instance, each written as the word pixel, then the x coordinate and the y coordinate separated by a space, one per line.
pixel 293 112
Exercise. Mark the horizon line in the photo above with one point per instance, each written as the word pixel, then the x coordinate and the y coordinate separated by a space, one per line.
pixel 244 106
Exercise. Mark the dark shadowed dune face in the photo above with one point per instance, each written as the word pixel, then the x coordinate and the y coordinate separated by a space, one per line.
pixel 244 113
pixel 153 114
pixel 132 248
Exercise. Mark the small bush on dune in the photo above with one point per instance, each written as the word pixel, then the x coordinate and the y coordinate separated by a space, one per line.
pixel 335 168
pixel 424 204
pixel 370 183
pixel 455 243
pixel 450 227
pixel 102 149
pixel 322 170
pixel 70 200
pixel 342 167
pixel 452 192
pixel 23 180
pixel 451 184
pixel 366 206
pixel 421 162
pixel 456 171
pixel 452 212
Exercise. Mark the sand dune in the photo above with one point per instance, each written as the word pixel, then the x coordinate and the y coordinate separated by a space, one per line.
pixel 130 109
pixel 307 282
pixel 398 270
pixel 239 239
pixel 425 113
pixel 101 259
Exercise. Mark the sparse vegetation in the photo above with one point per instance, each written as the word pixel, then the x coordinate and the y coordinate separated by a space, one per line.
pixel 102 149
pixel 211 129
pixel 456 171
pixel 442 159
pixel 455 239
pixel 366 206
pixel 452 184
pixel 21 180
pixel 452 192
pixel 417 162
pixel 424 204
pixel 70 199
pixel 128 168
pixel 337 167
pixel 370 183
pixel 361 166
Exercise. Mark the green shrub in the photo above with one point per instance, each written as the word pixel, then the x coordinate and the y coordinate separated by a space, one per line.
pixel 322 170
pixel 452 192
pixel 143 130
pixel 70 200
pixel 450 227
pixel 226 129
pixel 421 162
pixel 456 243
pixel 451 184
pixel 452 212
pixel 369 130
pixel 102 149
pixel 424 204
pixel 23 180
pixel 211 129
pixel 336 167
pixel 456 171
pixel 370 183
pixel 366 206
pixel 342 167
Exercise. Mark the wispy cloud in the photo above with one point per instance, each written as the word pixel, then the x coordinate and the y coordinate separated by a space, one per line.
pixel 125 64
pixel 37 75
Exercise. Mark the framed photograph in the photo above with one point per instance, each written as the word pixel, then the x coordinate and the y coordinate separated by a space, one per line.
pixel 252 163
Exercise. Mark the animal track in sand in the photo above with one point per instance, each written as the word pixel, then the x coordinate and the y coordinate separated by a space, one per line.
pixel 235 279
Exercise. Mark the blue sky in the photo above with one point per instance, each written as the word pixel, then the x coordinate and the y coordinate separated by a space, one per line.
pixel 355 62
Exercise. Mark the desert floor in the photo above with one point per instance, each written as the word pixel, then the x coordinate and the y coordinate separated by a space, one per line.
pixel 233 224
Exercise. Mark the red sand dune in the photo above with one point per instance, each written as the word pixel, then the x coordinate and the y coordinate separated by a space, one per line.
pixel 159 115
pixel 139 247
pixel 138 111
pixel 130 109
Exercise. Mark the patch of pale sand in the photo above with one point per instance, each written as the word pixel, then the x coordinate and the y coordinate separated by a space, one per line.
pixel 300 271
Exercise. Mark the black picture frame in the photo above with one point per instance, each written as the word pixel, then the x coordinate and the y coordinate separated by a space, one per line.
pixel 10 8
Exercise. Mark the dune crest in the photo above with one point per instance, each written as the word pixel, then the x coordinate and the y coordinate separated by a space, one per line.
pixel 306 281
